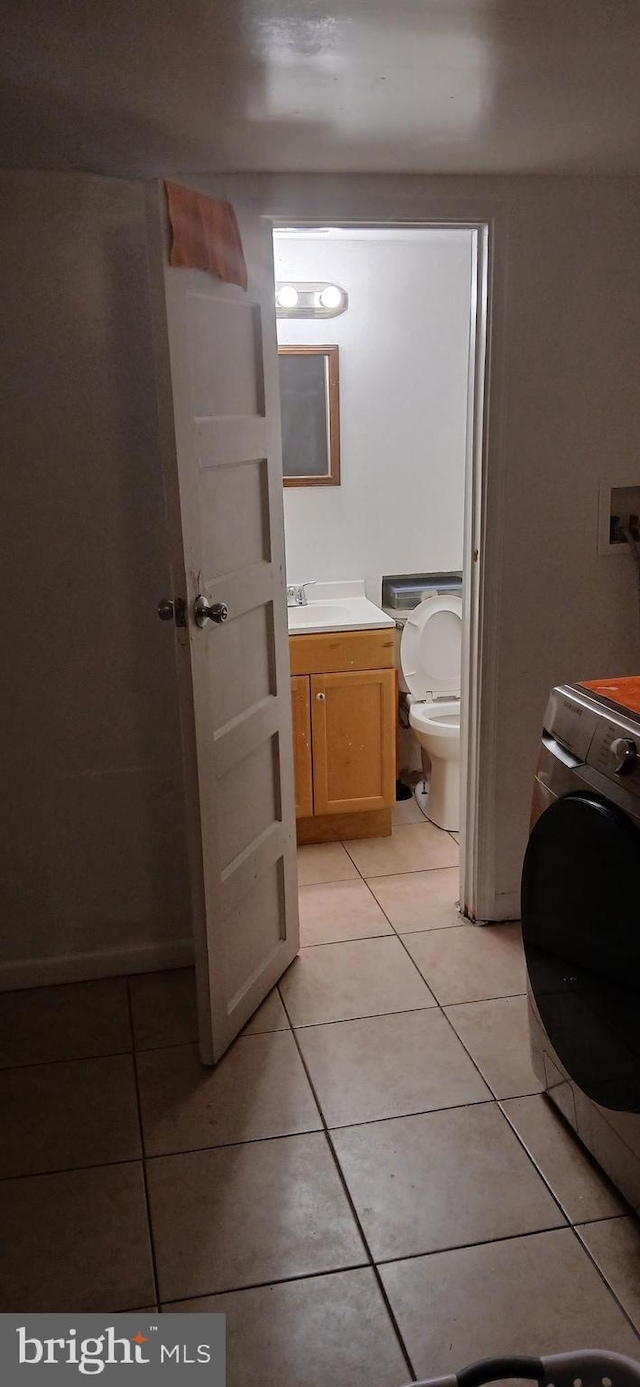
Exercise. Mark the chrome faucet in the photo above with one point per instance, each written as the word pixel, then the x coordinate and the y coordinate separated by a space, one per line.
pixel 296 594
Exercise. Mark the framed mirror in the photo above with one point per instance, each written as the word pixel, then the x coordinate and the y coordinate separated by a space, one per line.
pixel 309 402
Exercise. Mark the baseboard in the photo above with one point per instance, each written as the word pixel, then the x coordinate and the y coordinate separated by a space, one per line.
pixel 106 963
pixel 336 828
pixel 506 906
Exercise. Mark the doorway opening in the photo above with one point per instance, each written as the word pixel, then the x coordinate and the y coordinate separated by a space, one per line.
pixel 387 543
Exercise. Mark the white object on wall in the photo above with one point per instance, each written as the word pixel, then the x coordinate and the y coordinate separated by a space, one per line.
pixel 618 496
pixel 404 350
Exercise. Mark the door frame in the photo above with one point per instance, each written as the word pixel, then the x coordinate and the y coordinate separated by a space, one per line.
pixel 402 202
pixel 481 549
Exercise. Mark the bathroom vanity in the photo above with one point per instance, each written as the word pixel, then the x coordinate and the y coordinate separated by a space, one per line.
pixel 343 687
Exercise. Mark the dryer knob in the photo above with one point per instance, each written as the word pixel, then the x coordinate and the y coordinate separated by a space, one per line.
pixel 622 755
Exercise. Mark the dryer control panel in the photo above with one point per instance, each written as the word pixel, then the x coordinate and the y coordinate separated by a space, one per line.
pixel 596 734
pixel 571 722
pixel 616 753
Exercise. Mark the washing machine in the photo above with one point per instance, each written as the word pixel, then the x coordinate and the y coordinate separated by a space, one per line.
pixel 581 919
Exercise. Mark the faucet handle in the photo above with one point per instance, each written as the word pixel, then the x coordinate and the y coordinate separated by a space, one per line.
pixel 296 595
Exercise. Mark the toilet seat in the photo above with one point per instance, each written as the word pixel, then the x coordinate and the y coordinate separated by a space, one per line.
pixel 431 649
pixel 441 719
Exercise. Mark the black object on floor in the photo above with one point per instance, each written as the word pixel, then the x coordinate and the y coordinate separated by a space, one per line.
pixel 403 791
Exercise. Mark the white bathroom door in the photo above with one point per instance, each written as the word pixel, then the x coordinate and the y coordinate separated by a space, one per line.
pixel 219 406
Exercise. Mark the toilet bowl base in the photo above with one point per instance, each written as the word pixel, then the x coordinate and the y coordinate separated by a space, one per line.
pixel 440 801
pixel 421 796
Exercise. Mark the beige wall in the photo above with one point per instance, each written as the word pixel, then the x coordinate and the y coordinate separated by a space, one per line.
pixel 565 410
pixel 94 874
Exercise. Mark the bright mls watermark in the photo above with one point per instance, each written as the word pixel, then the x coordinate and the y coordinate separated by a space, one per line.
pixel 172 1350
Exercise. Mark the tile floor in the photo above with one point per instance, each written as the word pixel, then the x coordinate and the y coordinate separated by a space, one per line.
pixel 370 1184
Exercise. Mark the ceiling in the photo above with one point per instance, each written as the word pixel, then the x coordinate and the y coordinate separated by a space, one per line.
pixel 144 87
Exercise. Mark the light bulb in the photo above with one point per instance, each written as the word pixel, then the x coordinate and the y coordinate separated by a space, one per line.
pixel 287 296
pixel 331 297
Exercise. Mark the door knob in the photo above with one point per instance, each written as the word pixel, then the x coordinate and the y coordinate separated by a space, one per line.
pixel 203 611
pixel 165 609
pixel 321 697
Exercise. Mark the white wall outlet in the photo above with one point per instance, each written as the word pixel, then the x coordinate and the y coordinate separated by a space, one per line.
pixel 617 505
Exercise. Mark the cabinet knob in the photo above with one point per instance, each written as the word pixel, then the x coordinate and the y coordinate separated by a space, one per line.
pixel 321 697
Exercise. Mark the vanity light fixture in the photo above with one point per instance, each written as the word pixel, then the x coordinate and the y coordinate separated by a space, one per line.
pixel 331 297
pixel 286 296
pixel 310 299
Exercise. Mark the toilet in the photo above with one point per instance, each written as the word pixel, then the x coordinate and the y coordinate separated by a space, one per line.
pixel 430 659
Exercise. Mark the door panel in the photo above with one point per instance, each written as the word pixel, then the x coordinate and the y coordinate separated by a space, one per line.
pixel 217 359
pixel 353 729
pixel 301 706
pixel 236 489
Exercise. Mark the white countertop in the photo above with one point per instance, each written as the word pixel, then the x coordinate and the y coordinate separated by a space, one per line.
pixel 336 607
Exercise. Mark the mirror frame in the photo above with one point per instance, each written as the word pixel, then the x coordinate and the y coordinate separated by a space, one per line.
pixel 330 353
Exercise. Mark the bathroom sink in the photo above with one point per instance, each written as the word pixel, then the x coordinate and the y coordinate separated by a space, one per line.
pixel 320 614
pixel 337 607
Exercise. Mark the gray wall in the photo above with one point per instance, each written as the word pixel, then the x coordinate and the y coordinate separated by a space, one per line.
pixel 94 874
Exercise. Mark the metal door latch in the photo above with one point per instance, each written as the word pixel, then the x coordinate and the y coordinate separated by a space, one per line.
pixel 203 611
pixel 169 609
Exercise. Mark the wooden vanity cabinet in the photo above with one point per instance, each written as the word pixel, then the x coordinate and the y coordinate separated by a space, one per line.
pixel 301 710
pixel 343 690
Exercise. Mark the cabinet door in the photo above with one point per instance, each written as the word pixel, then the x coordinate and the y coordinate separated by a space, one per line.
pixel 300 702
pixel 354 735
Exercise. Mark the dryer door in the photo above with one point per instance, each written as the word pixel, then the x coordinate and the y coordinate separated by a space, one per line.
pixel 581 932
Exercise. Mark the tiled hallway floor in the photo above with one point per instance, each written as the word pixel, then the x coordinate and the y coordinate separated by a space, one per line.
pixel 370 1183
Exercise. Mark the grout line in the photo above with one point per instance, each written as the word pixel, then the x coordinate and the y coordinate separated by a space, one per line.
pixel 357 939
pixel 480 1001
pixel 374 898
pixel 484 1242
pixel 152 1247
pixel 354 1212
pixel 409 1257
pixel 229 1145
pixel 70 1059
pixel 485 1080
pixel 629 1212
pixel 597 1170
pixel 177 1044
pixel 313 1131
pixel 367 1016
pixel 345 845
pixel 474 1061
pixel 613 1293
pixel 439 1007
pixel 534 1163
pixel 285 1136
pixel 412 871
pixel 372 876
pixel 72 1169
pixel 473 1001
pixel 273 1281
